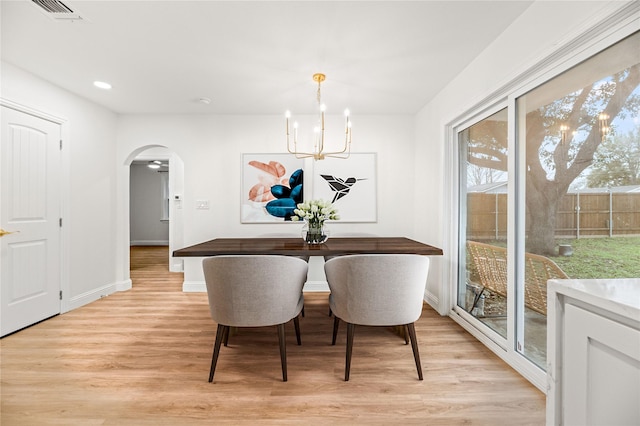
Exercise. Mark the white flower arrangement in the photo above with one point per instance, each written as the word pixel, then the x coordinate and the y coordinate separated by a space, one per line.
pixel 315 212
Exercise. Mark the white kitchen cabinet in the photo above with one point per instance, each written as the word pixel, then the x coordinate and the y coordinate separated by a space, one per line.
pixel 593 352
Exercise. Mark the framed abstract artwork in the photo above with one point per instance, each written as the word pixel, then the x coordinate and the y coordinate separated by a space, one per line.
pixel 349 184
pixel 272 185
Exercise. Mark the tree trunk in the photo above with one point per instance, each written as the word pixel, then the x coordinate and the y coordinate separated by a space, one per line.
pixel 543 194
pixel 542 208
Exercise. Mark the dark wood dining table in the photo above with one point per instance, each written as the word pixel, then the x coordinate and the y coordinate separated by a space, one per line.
pixel 298 247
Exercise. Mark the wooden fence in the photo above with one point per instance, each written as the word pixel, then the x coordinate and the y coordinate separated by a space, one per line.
pixel 579 215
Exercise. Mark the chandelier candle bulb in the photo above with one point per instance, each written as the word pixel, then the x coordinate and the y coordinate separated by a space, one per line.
pixel 287 116
pixel 347 123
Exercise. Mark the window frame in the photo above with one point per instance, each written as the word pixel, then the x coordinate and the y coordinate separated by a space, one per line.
pixel 495 337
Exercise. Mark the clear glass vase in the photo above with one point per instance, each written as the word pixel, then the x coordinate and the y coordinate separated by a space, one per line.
pixel 315 233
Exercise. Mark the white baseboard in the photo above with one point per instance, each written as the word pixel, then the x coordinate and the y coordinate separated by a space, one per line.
pixel 194 286
pixel 432 300
pixel 91 296
pixel 201 286
pixel 124 285
pixel 149 243
pixel 315 286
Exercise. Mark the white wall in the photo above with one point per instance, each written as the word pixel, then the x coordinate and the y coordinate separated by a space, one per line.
pixel 89 183
pixel 176 225
pixel 211 148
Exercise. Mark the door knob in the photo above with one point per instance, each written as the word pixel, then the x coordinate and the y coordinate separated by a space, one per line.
pixel 3 232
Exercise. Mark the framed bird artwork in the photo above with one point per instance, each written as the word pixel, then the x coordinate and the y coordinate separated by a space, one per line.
pixel 350 185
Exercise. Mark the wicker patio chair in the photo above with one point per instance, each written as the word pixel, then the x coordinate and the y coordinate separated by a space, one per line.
pixel 489 270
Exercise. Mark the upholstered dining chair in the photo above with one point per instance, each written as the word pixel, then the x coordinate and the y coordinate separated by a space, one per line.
pixel 377 290
pixel 254 291
pixel 347 234
pixel 286 235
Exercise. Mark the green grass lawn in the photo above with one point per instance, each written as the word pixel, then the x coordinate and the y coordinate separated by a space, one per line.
pixel 602 258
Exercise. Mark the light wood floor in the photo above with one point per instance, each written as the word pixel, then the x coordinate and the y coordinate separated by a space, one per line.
pixel 142 357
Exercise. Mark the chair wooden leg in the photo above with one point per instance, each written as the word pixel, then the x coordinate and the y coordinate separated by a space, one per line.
pixel 351 328
pixel 283 351
pixel 216 349
pixel 405 333
pixel 336 323
pixel 225 337
pixel 414 346
pixel 296 323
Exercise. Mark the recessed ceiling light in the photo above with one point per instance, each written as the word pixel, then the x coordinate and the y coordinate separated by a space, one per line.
pixel 102 85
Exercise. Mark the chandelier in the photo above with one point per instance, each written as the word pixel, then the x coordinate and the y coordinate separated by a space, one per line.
pixel 603 123
pixel 318 144
pixel 603 127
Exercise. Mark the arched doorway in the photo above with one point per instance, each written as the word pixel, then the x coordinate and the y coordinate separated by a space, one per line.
pixel 173 166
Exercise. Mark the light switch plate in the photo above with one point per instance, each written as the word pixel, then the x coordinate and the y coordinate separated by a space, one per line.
pixel 202 204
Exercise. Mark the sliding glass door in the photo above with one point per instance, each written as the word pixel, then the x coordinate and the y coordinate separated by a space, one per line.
pixel 563 203
pixel 483 196
pixel 581 133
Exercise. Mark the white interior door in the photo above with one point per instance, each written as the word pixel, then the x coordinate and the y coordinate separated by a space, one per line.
pixel 30 261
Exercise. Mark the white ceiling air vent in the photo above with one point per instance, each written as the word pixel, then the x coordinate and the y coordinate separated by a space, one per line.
pixel 57 10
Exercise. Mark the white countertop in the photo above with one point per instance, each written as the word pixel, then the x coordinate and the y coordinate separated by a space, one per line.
pixel 620 295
